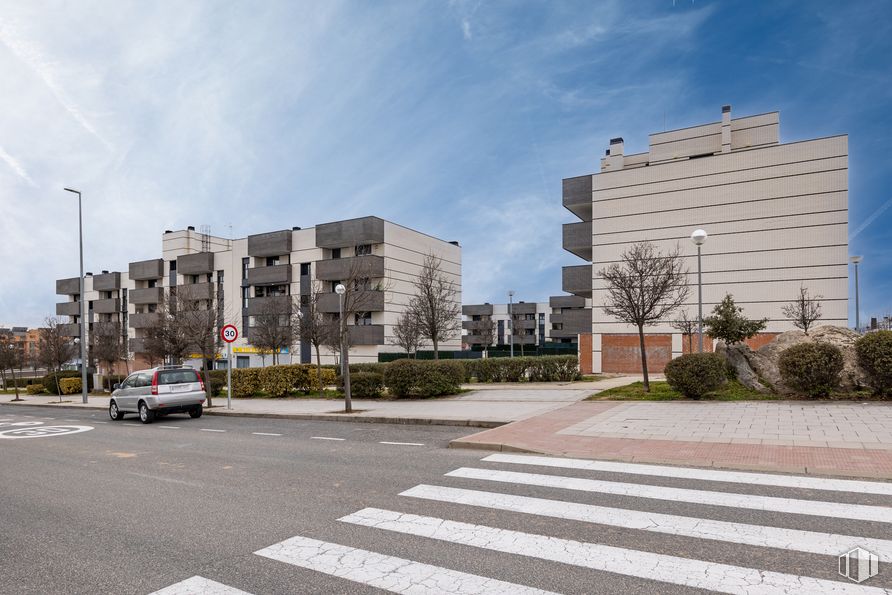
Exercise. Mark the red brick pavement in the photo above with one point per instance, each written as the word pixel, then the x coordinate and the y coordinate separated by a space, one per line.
pixel 539 435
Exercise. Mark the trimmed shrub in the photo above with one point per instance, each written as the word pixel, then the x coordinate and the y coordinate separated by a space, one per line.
pixel 366 385
pixel 811 368
pixel 70 386
pixel 406 378
pixel 555 368
pixel 277 381
pixel 34 389
pixel 874 352
pixel 696 374
pixel 375 368
pixel 308 379
pixel 49 381
pixel 218 381
pixel 549 368
pixel 245 382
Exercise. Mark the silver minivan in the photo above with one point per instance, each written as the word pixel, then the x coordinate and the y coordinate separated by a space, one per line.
pixel 159 391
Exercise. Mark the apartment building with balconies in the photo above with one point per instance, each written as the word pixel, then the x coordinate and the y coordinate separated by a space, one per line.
pixel 776 214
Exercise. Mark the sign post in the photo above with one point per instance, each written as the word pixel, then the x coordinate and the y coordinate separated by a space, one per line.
pixel 229 334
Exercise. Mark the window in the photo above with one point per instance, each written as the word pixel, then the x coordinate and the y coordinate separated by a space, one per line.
pixel 245 296
pixel 363 319
pixel 220 277
pixel 177 376
pixel 152 283
pixel 272 261
pixel 476 317
pixel 363 249
pixel 245 263
pixel 242 361
pixel 304 300
pixel 529 317
pixel 173 266
pixel 336 253
pixel 304 268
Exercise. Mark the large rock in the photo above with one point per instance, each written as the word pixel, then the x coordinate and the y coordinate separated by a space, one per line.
pixel 739 356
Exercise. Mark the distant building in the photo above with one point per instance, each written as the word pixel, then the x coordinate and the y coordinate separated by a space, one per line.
pixel 560 320
pixel 776 214
pixel 28 340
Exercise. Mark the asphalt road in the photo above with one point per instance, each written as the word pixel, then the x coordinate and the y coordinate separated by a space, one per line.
pixel 131 508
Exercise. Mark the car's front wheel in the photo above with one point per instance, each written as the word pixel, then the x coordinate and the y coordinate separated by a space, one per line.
pixel 115 413
pixel 146 415
pixel 195 412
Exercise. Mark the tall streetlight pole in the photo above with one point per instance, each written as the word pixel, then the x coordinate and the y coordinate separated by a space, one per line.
pixel 511 319
pixel 856 260
pixel 699 238
pixel 83 317
pixel 345 362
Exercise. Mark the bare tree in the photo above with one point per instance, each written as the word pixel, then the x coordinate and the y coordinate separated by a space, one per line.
pixel 200 321
pixel 644 288
pixel 108 345
pixel 166 340
pixel 55 349
pixel 312 327
pixel 686 326
pixel 436 305
pixel 805 310
pixel 11 358
pixel 407 334
pixel 271 331
pixel 486 331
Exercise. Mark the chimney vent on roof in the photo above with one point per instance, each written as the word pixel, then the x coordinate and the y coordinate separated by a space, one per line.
pixel 726 109
pixel 616 141
pixel 167 231
pixel 454 243
pixel 191 228
pixel 295 228
pixel 105 272
pixel 88 274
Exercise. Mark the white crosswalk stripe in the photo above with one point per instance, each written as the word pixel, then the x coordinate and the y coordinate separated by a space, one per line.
pixel 198 585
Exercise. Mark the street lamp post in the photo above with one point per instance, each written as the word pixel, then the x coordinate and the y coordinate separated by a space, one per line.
pixel 345 362
pixel 699 238
pixel 856 260
pixel 511 319
pixel 83 316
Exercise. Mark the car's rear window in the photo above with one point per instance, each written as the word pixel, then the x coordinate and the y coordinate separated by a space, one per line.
pixel 177 376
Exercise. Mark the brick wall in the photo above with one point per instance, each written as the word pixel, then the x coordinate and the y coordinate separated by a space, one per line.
pixel 621 354
pixel 585 353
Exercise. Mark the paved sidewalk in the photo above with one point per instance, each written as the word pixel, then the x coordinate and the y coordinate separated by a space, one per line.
pixel 850 439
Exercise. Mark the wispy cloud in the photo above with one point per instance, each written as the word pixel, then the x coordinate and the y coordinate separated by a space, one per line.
pixel 17 167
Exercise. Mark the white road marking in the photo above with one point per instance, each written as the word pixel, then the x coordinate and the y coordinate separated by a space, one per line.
pixel 699 574
pixel 767 479
pixel 170 427
pixel 72 420
pixel 397 575
pixel 862 512
pixel 198 585
pixel 325 438
pixel 98 422
pixel 403 443
pixel 210 430
pixel 264 434
pixel 788 539
pixel 42 431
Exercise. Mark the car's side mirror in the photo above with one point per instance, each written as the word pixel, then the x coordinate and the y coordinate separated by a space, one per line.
pixel 117 385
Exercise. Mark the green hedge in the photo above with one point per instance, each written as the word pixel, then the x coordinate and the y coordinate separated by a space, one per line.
pixel 696 374
pixel 275 381
pixel 419 378
pixel 811 368
pixel 874 352
pixel 366 385
pixel 70 386
pixel 551 368
pixel 49 381
pixel 34 389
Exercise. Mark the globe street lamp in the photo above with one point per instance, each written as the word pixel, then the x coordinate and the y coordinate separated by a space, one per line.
pixel 345 363
pixel 856 260
pixel 511 319
pixel 83 316
pixel 699 238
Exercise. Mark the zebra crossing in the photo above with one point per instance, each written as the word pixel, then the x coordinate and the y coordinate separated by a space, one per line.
pixel 789 528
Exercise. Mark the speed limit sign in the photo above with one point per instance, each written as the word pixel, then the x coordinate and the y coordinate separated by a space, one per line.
pixel 229 333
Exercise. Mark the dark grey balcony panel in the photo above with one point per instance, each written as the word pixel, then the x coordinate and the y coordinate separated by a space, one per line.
pixel 577 280
pixel 147 295
pixel 578 196
pixel 195 264
pixel 279 274
pixel 477 310
pixel 370 334
pixel 70 286
pixel 70 330
pixel 107 306
pixel 475 340
pixel 564 334
pixel 578 239
pixel 526 324
pixel 107 282
pixel 195 291
pixel 577 320
pixel 274 243
pixel 146 269
pixel 354 232
pixel 68 309
pixel 556 319
pixel 136 345
pixel 341 269
pixel 280 304
pixel 368 301
pixel 143 320
pixel 473 325
pixel 523 308
pixel 568 301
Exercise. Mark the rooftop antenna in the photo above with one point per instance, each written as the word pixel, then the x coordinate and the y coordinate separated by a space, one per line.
pixel 205 238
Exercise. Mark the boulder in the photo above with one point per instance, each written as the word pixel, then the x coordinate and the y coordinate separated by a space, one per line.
pixel 853 377
pixel 738 357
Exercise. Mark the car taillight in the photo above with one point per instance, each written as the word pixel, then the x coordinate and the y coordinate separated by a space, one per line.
pixel 155 383
pixel 200 381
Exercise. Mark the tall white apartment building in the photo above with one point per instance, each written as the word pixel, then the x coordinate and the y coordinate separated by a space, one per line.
pixel 242 276
pixel 776 214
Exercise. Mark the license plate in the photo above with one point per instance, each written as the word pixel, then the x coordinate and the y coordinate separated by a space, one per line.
pixel 181 389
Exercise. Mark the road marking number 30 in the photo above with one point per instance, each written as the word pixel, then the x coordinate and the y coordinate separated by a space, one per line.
pixel 35 429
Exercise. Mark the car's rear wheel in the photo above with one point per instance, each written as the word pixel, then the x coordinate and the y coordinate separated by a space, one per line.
pixel 115 413
pixel 195 412
pixel 146 415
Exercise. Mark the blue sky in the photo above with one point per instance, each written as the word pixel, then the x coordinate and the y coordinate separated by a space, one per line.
pixel 455 118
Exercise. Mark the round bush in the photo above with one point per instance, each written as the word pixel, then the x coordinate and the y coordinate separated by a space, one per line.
pixel 696 374
pixel 874 352
pixel 34 389
pixel 366 385
pixel 811 368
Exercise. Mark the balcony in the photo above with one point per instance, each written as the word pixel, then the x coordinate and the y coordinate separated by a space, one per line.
pixel 473 339
pixel 107 282
pixel 477 310
pixel 578 196
pixel 195 291
pixel 107 306
pixel 354 232
pixel 70 286
pixel 369 334
pixel 578 239
pixel 68 309
pixel 145 270
pixel 144 319
pixel 279 274
pixel 278 304
pixel 70 330
pixel 523 308
pixel 525 324
pixel 147 295
pixel 274 243
pixel 567 301
pixel 341 269
pixel 366 301
pixel 473 325
pixel 577 280
pixel 195 264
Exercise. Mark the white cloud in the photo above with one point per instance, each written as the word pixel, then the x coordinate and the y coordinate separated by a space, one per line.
pixel 14 164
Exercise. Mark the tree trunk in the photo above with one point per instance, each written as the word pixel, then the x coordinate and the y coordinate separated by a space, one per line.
pixel 318 370
pixel 643 359
pixel 207 384
pixel 59 388
pixel 15 383
pixel 436 349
